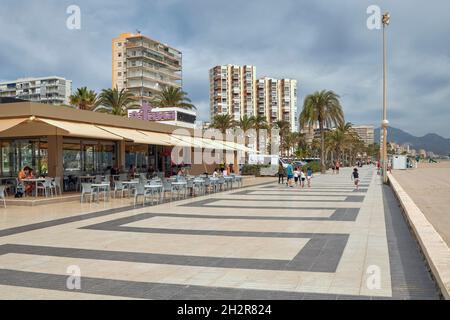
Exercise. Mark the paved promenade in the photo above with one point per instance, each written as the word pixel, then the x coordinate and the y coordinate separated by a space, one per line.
pixel 265 241
pixel 429 188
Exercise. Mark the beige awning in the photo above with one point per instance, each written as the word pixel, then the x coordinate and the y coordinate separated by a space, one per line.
pixel 79 129
pixel 6 124
pixel 135 135
pixel 186 141
pixel 162 139
pixel 197 142
pixel 217 144
pixel 236 146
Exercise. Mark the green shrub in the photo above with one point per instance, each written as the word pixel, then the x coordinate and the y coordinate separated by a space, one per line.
pixel 314 165
pixel 253 169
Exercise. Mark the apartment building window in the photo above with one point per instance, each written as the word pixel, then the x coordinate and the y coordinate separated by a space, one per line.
pixel 119 54
pixel 119 64
pixel 119 44
pixel 119 74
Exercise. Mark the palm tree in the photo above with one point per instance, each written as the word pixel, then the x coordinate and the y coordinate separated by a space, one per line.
pixel 373 150
pixel 284 128
pixel 315 147
pixel 340 138
pixel 116 102
pixel 245 124
pixel 223 122
pixel 84 99
pixel 173 97
pixel 325 109
pixel 259 123
pixel 300 140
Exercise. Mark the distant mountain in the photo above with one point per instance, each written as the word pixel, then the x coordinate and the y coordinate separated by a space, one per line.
pixel 429 142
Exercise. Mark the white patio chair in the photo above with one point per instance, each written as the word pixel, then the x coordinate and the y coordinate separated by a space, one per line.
pixel 141 191
pixel 86 189
pixel 3 195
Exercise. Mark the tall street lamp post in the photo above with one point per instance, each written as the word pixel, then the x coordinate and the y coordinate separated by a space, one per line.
pixel 385 123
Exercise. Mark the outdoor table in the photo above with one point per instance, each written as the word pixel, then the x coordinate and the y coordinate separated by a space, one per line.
pixel 200 183
pixel 178 185
pixel 99 186
pixel 214 182
pixel 36 181
pixel 229 179
pixel 239 180
pixel 86 178
pixel 129 184
pixel 153 186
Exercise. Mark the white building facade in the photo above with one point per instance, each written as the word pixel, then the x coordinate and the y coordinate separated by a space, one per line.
pixel 144 66
pixel 236 91
pixel 51 90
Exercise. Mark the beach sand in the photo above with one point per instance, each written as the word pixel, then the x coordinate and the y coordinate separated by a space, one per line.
pixel 429 188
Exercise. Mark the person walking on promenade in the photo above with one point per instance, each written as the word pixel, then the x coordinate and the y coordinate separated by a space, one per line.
pixel 302 178
pixel 296 176
pixel 280 174
pixel 333 167
pixel 290 175
pixel 337 167
pixel 355 178
pixel 309 174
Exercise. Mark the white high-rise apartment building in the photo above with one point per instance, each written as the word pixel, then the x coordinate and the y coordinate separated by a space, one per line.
pixel 235 90
pixel 144 66
pixel 277 100
pixel 232 90
pixel 366 133
pixel 51 90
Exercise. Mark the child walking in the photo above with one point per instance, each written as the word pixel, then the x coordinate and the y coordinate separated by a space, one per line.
pixel 309 174
pixel 355 178
pixel 302 178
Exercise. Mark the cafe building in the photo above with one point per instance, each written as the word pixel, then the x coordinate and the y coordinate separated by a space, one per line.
pixel 58 141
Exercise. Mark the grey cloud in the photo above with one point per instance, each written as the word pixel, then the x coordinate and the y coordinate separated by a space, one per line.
pixel 322 44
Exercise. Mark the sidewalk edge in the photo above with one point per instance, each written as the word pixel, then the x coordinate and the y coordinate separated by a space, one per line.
pixel 434 248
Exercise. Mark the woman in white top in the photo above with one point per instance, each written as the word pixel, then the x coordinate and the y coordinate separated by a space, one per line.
pixel 296 175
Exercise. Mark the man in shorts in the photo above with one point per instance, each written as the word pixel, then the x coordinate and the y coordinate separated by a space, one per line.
pixel 290 175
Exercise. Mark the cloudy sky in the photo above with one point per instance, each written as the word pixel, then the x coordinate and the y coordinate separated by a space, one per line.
pixel 322 44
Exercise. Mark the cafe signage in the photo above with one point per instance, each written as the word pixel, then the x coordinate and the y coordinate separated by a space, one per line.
pixel 146 113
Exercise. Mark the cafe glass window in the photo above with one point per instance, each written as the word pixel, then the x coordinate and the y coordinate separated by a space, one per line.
pixel 137 155
pixel 106 156
pixel 72 156
pixel 18 153
pixel 7 159
pixel 88 156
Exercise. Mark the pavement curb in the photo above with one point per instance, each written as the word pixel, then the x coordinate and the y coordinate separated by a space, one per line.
pixel 436 251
